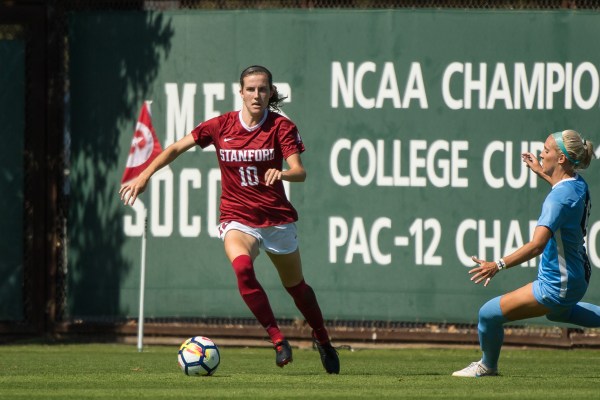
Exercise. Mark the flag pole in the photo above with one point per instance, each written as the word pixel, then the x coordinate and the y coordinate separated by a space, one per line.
pixel 140 338
pixel 145 146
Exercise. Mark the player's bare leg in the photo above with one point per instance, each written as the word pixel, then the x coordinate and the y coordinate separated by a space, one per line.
pixel 521 304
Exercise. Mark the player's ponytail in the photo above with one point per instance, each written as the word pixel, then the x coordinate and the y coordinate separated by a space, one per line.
pixel 580 150
pixel 276 100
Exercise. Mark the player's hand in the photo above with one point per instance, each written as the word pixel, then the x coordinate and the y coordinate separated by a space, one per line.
pixel 532 162
pixel 130 191
pixel 536 166
pixel 483 271
pixel 272 175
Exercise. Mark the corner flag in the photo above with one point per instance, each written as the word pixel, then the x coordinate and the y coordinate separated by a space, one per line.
pixel 144 146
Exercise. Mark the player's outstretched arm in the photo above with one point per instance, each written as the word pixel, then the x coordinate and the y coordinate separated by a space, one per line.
pixel 131 190
pixel 486 270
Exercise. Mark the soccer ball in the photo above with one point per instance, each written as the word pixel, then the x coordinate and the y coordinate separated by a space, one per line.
pixel 198 356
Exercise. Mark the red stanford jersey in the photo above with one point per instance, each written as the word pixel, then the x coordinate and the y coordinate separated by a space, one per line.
pixel 244 157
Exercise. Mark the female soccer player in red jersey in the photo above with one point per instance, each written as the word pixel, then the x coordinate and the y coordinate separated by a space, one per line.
pixel 251 145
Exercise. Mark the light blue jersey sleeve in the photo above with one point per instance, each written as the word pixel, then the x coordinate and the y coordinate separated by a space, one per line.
pixel 553 214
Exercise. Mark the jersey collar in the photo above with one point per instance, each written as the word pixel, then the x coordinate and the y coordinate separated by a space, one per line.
pixel 255 127
pixel 565 180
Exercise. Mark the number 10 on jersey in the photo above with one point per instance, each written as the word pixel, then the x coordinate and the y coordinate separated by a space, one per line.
pixel 249 176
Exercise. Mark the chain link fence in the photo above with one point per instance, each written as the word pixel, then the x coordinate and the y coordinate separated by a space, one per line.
pixel 330 4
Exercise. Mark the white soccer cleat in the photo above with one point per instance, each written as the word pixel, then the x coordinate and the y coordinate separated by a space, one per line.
pixel 475 370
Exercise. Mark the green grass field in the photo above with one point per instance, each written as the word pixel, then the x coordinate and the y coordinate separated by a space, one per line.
pixel 116 371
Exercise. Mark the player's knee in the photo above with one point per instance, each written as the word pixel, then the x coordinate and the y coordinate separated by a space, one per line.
pixel 244 271
pixel 491 313
pixel 301 291
pixel 560 315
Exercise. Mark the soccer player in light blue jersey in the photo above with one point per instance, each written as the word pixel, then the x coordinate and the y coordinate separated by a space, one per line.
pixel 564 269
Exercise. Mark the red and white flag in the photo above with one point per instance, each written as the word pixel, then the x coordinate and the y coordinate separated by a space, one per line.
pixel 144 146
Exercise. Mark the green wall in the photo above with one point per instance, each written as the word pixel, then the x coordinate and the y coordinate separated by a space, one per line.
pixel 414 122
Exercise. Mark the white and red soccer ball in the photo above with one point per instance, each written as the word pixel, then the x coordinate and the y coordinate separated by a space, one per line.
pixel 198 355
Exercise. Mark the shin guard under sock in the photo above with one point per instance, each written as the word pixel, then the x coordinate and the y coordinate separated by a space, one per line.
pixel 306 301
pixel 255 297
pixel 491 332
